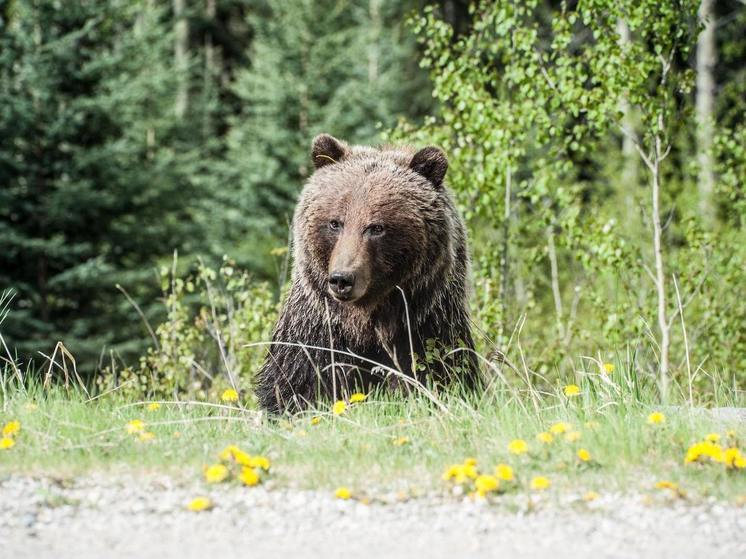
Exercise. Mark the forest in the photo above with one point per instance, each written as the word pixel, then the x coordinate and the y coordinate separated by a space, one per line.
pixel 151 154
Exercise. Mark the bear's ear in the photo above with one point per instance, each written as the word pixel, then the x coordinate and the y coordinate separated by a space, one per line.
pixel 431 163
pixel 327 149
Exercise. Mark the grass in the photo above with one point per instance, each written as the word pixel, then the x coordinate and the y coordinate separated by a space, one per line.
pixel 65 434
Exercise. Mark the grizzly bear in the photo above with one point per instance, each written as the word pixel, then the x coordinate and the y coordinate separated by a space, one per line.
pixel 379 284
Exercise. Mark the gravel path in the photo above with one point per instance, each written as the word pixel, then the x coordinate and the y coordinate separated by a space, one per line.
pixel 143 517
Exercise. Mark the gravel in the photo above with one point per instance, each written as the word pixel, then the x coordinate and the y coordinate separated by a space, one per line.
pixel 144 516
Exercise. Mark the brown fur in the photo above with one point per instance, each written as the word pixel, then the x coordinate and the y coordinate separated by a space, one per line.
pixel 396 226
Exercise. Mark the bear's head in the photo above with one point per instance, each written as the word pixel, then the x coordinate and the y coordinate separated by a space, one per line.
pixel 372 219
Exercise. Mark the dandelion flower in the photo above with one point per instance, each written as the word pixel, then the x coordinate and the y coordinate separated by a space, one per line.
pixel 732 458
pixel 584 455
pixel 517 446
pixel 504 472
pixel 315 420
pixel 249 476
pixel 358 397
pixel 216 473
pixel 135 426
pixel 235 454
pixel 539 483
pixel 712 437
pixel 608 368
pixel 400 441
pixel 572 436
pixel 11 428
pixel 571 390
pixel 153 406
pixel 486 483
pixel 665 484
pixel 146 437
pixel 343 493
pixel 261 462
pixel 460 473
pixel 6 443
pixel 198 504
pixel 590 496
pixel 470 462
pixel 656 418
pixel 339 407
pixel 229 395
pixel 559 428
pixel 704 449
pixel 545 437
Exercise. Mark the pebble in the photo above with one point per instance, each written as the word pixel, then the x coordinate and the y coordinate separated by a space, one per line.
pixel 145 517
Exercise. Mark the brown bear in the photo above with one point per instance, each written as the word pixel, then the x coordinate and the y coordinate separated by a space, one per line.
pixel 380 273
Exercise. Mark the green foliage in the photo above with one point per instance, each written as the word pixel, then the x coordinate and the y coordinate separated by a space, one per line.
pixel 95 183
pixel 204 344
pixel 533 104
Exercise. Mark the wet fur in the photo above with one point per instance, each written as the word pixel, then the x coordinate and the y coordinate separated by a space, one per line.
pixel 424 252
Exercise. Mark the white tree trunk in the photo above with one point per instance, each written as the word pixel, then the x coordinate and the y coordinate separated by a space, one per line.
pixel 706 59
pixel 629 152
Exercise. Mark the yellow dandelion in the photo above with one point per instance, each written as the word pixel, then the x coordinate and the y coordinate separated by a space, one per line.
pixel 559 428
pixel 343 493
pixel 486 483
pixel 315 420
pixel 666 484
pixel 732 458
pixel 584 455
pixel 590 496
pixel 545 437
pixel 248 476
pixel 470 462
pixel 539 483
pixel 608 368
pixel 229 395
pixel 135 426
pixel 656 418
pixel 153 406
pixel 261 462
pixel 460 473
pixel 11 428
pixel 517 446
pixel 199 504
pixel 146 437
pixel 358 397
pixel 235 454
pixel 704 449
pixel 712 437
pixel 400 441
pixel 216 473
pixel 571 390
pixel 572 436
pixel 339 407
pixel 6 443
pixel 504 472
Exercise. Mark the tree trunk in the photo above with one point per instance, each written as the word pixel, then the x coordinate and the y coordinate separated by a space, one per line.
pixel 706 59
pixel 181 38
pixel 629 152
pixel 209 73
pixel 374 12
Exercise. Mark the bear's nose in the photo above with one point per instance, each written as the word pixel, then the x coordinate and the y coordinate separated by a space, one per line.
pixel 341 283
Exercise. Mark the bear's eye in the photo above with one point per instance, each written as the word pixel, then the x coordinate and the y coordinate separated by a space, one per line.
pixel 335 225
pixel 376 230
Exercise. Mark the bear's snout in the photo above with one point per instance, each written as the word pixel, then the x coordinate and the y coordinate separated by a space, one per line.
pixel 341 284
